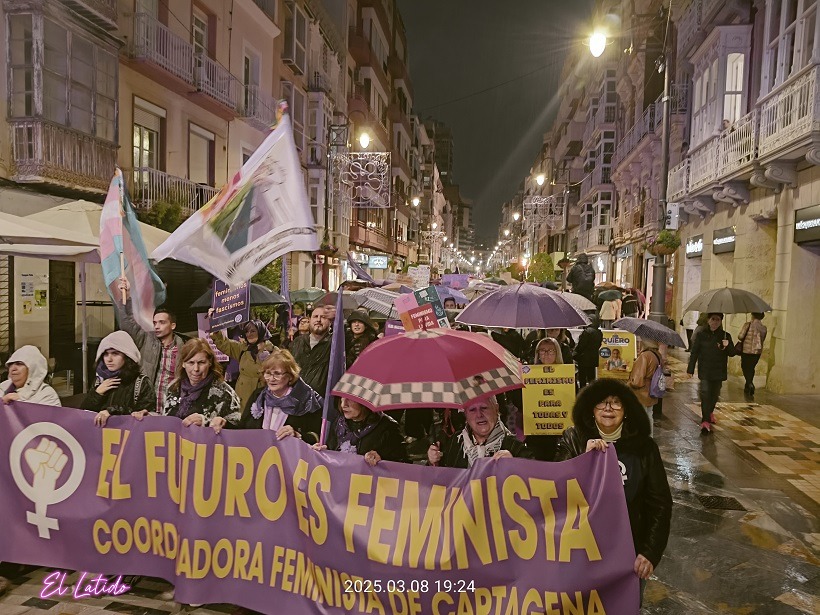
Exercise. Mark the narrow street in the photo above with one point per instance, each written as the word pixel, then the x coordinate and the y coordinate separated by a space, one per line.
pixel 745 532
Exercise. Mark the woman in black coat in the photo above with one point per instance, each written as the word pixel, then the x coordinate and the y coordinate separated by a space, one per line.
pixel 361 431
pixel 286 404
pixel 119 387
pixel 608 412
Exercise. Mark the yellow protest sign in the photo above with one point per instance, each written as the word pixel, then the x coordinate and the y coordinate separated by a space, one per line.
pixel 618 352
pixel 549 394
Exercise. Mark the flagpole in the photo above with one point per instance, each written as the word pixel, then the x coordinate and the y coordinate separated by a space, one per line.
pixel 84 327
pixel 122 275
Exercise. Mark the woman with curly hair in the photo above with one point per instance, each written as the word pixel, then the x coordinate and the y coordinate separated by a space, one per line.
pixel 606 413
pixel 119 387
pixel 199 395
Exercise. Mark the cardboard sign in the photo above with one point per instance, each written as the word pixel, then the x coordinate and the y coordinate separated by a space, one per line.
pixel 617 355
pixel 549 394
pixel 421 318
pixel 430 296
pixel 231 305
pixel 405 302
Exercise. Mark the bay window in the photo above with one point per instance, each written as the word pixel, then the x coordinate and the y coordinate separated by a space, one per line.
pixel 791 39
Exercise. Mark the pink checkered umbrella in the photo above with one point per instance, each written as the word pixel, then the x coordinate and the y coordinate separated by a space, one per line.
pixel 437 368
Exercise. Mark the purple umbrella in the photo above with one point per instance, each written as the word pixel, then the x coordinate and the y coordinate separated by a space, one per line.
pixel 522 306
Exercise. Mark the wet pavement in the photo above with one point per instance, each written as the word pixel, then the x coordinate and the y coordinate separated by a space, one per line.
pixel 746 523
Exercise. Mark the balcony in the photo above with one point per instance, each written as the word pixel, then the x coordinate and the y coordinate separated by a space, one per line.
pixel 594 240
pixel 149 186
pixel 357 103
pixel 402 249
pixel 398 69
pixel 678 185
pixel 570 142
pixel 738 146
pixel 215 84
pixel 596 180
pixel 645 126
pixel 268 7
pixel 703 164
pixel 396 115
pixel 102 13
pixel 320 83
pixel 167 58
pixel 258 108
pixel 361 50
pixel 45 152
pixel 373 238
pixel 790 115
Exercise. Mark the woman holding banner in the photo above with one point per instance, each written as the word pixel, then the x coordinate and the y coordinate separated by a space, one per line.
pixel 199 395
pixel 286 404
pixel 608 412
pixel 483 436
pixel 119 387
pixel 360 431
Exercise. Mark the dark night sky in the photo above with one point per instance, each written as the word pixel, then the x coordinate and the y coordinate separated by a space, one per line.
pixel 460 47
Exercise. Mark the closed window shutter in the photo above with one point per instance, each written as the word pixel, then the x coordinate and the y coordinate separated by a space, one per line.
pixel 146 119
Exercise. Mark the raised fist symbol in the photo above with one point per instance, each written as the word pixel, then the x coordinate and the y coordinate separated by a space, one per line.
pixel 46 462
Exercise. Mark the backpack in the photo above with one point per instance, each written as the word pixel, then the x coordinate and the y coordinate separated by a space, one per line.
pixel 657 386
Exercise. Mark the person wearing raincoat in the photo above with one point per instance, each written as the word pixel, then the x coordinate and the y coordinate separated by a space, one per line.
pixel 28 369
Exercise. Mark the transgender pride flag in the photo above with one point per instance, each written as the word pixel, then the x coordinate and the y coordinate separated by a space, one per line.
pixel 121 245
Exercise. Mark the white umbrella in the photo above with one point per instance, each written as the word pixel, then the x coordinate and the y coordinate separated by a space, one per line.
pixel 17 229
pixel 378 300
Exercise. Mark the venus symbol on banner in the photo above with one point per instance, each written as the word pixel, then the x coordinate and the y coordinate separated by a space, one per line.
pixel 47 463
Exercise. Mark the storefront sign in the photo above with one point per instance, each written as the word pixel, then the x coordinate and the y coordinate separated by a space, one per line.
pixel 694 246
pixel 549 393
pixel 723 240
pixel 807 225
pixel 360 257
pixel 377 261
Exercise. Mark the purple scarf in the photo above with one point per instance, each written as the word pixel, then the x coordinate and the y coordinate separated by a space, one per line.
pixel 103 373
pixel 12 388
pixel 189 393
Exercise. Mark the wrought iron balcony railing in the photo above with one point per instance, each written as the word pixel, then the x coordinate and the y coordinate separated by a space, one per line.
pixel 149 186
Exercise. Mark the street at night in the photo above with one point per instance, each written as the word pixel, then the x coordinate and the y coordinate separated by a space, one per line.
pixel 410 307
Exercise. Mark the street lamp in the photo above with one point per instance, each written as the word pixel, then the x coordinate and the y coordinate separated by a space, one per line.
pixel 540 179
pixel 506 232
pixel 597 43
pixel 364 140
pixel 416 200
pixel 516 216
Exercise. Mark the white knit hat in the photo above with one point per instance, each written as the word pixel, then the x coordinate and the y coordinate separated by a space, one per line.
pixel 121 342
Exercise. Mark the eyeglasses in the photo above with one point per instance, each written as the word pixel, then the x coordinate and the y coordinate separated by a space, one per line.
pixel 273 374
pixel 547 351
pixel 614 404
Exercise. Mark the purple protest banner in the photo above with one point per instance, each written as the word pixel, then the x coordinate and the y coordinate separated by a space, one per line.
pixel 275 526
pixel 393 327
pixel 231 306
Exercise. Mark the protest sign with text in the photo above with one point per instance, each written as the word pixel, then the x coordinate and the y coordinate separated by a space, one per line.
pixel 275 526
pixel 549 394
pixel 617 355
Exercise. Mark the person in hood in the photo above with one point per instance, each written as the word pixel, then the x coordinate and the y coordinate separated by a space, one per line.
pixel 250 352
pixel 120 387
pixel 28 369
pixel 363 332
pixel 582 277
pixel 606 413
pixel 711 348
pixel 286 405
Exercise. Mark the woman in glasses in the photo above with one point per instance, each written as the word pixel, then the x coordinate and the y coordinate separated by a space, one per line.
pixel 548 352
pixel 606 413
pixel 286 404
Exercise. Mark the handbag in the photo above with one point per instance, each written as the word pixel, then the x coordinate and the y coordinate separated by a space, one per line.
pixel 739 343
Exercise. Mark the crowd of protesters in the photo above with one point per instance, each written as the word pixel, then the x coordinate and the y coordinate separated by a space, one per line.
pixel 281 375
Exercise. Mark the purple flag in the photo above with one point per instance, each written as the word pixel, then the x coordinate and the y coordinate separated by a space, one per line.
pixel 357 269
pixel 337 366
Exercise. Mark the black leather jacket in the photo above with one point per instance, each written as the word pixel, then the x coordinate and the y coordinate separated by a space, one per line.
pixel 648 498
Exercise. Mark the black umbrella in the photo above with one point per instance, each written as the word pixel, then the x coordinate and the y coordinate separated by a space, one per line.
pixel 651 330
pixel 260 295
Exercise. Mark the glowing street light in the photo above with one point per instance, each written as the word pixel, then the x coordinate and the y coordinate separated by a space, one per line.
pixel 506 232
pixel 434 226
pixel 364 139
pixel 516 216
pixel 597 43
pixel 416 200
pixel 540 179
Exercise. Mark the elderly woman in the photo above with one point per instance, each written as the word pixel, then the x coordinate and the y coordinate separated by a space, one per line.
pixel 483 436
pixel 254 348
pixel 286 404
pixel 548 352
pixel 608 412
pixel 361 431
pixel 28 369
pixel 119 387
pixel 199 395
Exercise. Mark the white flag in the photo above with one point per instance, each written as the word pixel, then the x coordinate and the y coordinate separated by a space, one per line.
pixel 261 214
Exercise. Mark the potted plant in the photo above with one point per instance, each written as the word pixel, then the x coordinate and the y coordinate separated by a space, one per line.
pixel 327 249
pixel 664 243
